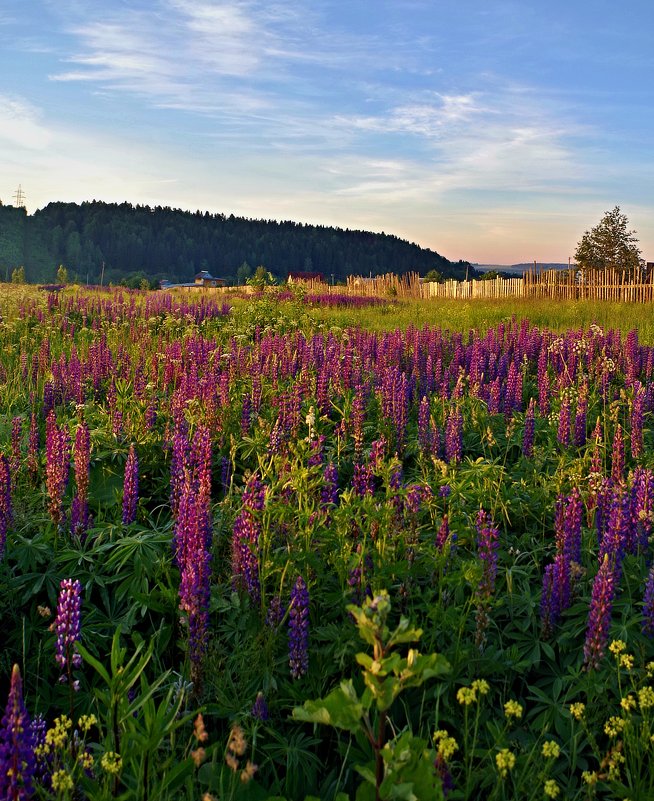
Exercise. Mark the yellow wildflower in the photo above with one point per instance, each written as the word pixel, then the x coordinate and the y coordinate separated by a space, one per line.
pixel 198 756
pixel 646 698
pixel 551 788
pixel 505 762
pixel 111 762
pixel 627 661
pixel 85 760
pixel 589 777
pixel 614 725
pixel 577 710
pixel 551 749
pixel 617 647
pixel 481 686
pixel 628 703
pixel 512 709
pixel 466 696
pixel 248 771
pixel 85 722
pixel 61 781
pixel 237 742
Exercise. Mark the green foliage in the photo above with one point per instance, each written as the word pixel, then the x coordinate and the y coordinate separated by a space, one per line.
pixel 18 275
pixel 610 245
pixel 402 767
pixel 62 275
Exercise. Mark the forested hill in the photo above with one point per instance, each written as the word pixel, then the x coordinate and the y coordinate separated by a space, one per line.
pixel 139 241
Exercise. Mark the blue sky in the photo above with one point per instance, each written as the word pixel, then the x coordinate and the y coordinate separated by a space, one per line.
pixel 488 131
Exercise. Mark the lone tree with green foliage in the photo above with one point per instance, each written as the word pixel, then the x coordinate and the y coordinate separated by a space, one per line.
pixel 610 245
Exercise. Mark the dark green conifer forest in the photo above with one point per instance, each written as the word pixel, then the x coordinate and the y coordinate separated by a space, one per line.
pixel 137 242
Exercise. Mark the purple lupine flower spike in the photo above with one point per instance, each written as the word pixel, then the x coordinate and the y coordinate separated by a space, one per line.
pixel 82 463
pixel 57 452
pixel 530 428
pixel 260 708
pixel 648 605
pixel 17 760
pixel 130 486
pixel 599 615
pixel 298 629
pixel 617 466
pixel 67 626
pixel 5 502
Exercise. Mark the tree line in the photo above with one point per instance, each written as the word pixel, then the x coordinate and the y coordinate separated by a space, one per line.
pixel 123 243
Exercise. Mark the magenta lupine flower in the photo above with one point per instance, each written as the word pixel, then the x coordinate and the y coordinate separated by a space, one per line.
pixel 298 629
pixel 580 417
pixel 454 436
pixel 530 428
pixel 642 502
pixel 443 533
pixel 487 545
pixel 130 486
pixel 572 520
pixel 648 605
pixel 33 446
pixel 16 441
pixel 599 615
pixel 563 431
pixel 17 760
pixel 275 612
pixel 543 384
pixel 79 517
pixel 57 466
pixel 617 465
pixel 67 626
pixel 5 502
pixel 637 411
pixel 424 427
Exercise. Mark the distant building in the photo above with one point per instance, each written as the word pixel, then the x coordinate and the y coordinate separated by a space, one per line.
pixel 203 278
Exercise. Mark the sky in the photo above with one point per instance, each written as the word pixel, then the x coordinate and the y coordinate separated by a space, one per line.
pixel 488 130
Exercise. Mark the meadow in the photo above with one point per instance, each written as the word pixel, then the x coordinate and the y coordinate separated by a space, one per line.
pixel 286 546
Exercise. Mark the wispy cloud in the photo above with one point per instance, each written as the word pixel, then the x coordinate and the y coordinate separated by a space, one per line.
pixel 20 125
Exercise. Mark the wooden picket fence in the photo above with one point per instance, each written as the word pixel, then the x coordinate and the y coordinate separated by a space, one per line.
pixel 572 284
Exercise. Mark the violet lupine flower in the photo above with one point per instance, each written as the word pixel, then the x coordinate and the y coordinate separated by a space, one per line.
pixel 67 625
pixel 599 615
pixel 329 491
pixel 530 429
pixel 363 480
pixel 487 545
pixel 424 427
pixel 275 613
pixel 260 708
pixel 572 520
pixel 642 501
pixel 5 502
pixel 298 629
pixel 415 495
pixel 245 539
pixel 57 456
pixel 618 534
pixel 17 760
pixel 454 436
pixel 194 561
pixel 130 487
pixel 617 465
pixel 648 605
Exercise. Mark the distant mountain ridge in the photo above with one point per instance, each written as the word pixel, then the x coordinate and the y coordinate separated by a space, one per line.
pixel 520 268
pixel 124 242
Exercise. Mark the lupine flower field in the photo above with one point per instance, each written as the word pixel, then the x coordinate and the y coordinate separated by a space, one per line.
pixel 251 552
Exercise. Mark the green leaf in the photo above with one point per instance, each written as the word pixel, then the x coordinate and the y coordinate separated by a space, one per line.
pixel 341 709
